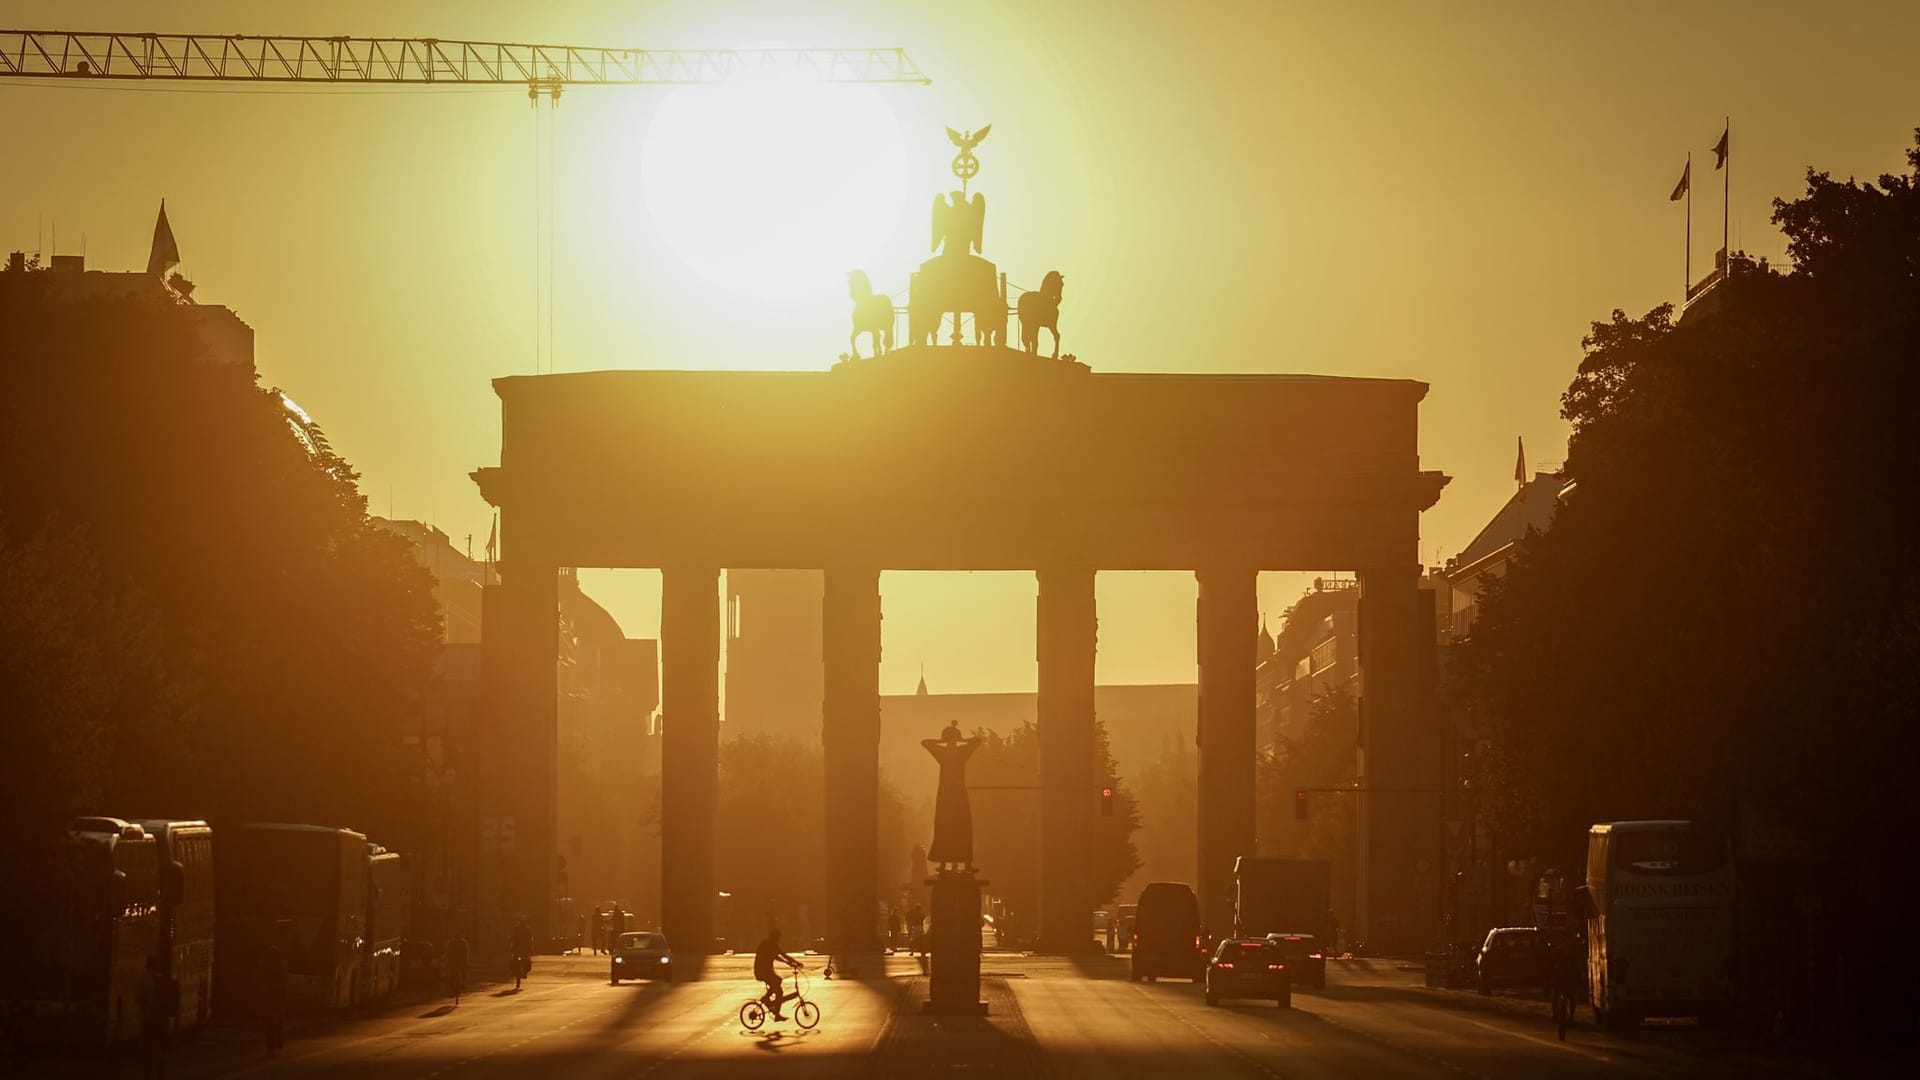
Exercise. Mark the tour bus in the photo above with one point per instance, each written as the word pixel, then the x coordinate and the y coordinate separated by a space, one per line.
pixel 1659 921
pixel 84 955
pixel 185 948
pixel 387 903
pixel 302 889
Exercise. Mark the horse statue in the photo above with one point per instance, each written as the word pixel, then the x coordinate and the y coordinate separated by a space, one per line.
pixel 1042 308
pixel 872 314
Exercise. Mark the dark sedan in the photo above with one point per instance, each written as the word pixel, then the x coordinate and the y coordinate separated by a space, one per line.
pixel 1510 956
pixel 1304 958
pixel 641 954
pixel 1249 968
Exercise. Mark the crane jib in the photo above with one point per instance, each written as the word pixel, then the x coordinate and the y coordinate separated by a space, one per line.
pixel 62 54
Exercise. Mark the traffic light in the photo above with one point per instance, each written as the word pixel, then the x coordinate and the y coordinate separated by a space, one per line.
pixel 1106 801
pixel 1301 810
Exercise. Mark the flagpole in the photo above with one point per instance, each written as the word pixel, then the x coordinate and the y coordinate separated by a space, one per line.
pixel 1726 197
pixel 1686 286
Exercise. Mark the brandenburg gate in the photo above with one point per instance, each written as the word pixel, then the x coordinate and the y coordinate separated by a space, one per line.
pixel 950 456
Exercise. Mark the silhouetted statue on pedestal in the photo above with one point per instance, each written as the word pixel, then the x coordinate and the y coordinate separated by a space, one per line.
pixel 956 279
pixel 872 314
pixel 1039 308
pixel 955 975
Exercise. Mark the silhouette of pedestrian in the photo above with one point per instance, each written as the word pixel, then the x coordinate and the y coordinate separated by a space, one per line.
pixel 272 997
pixel 160 1000
pixel 456 953
pixel 916 929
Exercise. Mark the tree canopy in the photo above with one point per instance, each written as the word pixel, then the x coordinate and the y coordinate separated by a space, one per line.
pixel 1006 839
pixel 242 642
pixel 1724 615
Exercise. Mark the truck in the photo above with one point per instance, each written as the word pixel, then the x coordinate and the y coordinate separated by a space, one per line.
pixel 1277 894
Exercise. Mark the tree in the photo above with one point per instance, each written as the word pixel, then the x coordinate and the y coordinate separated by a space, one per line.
pixel 769 847
pixel 1168 791
pixel 299 638
pixel 1006 840
pixel 81 688
pixel 1319 758
pixel 1725 611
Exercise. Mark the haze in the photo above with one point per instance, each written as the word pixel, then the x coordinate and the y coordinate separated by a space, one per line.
pixel 1436 192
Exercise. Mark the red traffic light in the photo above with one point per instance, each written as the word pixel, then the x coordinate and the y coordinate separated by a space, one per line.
pixel 1106 801
pixel 1106 793
pixel 1301 810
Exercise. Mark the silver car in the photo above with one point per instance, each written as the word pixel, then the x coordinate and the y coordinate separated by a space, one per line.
pixel 641 954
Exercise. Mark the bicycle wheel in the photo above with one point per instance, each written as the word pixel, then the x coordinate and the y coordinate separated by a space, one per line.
pixel 807 1014
pixel 753 1014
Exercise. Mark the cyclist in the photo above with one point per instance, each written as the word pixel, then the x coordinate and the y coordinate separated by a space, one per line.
pixel 522 951
pixel 1566 978
pixel 763 958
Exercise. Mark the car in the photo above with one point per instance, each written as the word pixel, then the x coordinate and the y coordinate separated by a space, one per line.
pixel 641 954
pixel 1167 938
pixel 1510 956
pixel 1305 959
pixel 1101 920
pixel 1126 912
pixel 1249 968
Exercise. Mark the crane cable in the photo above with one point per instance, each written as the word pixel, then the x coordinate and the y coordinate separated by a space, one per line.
pixel 534 102
pixel 545 212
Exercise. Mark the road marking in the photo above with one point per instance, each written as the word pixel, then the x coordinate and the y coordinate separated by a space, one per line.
pixel 1595 1054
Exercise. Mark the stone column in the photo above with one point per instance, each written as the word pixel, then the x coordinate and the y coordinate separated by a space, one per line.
pixel 1064 639
pixel 850 634
pixel 1229 619
pixel 1399 752
pixel 518 796
pixel 689 753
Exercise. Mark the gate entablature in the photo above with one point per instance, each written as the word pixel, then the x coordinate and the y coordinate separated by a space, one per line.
pixel 959 458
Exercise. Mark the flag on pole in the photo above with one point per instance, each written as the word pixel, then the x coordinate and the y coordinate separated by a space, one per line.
pixel 1680 189
pixel 1720 149
pixel 165 254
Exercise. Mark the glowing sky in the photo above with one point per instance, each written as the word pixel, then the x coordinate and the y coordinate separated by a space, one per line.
pixel 1447 192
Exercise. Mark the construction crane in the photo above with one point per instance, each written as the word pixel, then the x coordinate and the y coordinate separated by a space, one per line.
pixel 347 61
pixel 82 58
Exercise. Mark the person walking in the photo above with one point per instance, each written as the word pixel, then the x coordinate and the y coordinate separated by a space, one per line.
pixel 272 999
pixel 456 966
pixel 522 948
pixel 160 1001
pixel 917 929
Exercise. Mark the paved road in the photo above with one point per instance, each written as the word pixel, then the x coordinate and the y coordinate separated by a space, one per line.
pixel 1051 1018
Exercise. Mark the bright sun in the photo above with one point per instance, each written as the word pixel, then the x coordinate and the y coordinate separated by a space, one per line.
pixel 775 190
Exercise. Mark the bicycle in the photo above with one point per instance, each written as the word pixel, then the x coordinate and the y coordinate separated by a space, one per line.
pixel 754 1012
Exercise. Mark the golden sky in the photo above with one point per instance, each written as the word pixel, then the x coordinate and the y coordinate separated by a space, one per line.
pixel 1441 191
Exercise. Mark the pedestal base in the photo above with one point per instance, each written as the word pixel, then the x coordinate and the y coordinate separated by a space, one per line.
pixel 955 969
pixel 978 1008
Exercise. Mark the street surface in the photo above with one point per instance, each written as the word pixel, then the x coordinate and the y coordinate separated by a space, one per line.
pixel 1051 1017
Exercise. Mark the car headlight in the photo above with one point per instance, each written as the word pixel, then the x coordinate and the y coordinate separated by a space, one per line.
pixel 665 959
pixel 619 959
